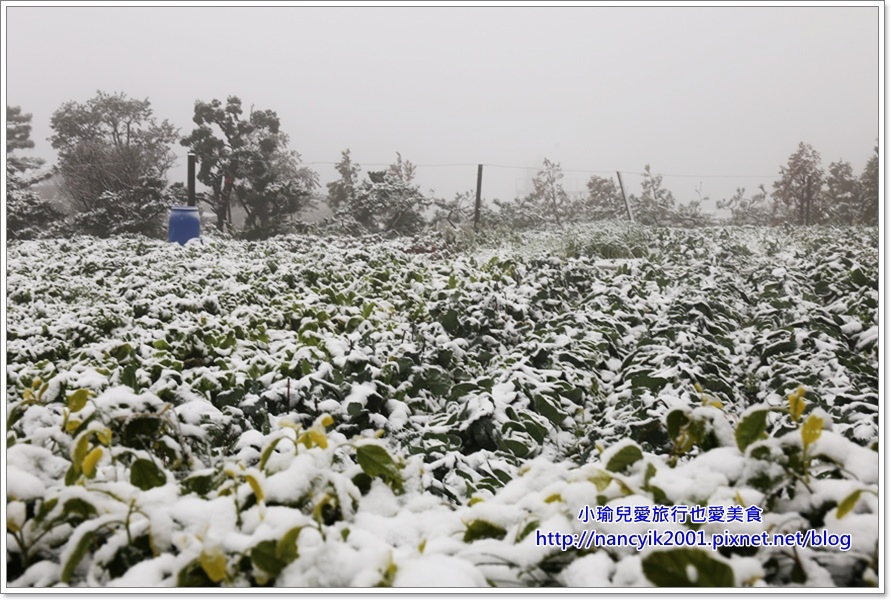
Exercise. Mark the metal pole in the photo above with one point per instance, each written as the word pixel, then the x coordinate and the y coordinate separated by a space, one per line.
pixel 191 179
pixel 479 188
pixel 624 197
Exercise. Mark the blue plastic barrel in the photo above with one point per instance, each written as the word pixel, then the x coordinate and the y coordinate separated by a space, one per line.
pixel 184 224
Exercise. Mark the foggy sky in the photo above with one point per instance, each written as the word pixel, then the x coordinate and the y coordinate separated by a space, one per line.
pixel 705 92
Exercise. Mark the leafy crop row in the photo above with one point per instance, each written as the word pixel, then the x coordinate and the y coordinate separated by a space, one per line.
pixel 238 413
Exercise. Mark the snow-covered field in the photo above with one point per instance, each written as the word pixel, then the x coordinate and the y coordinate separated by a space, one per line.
pixel 339 412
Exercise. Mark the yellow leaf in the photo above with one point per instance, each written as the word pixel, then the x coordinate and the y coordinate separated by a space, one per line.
pixel 848 504
pixel 15 516
pixel 601 480
pixel 71 426
pixel 327 500
pixel 326 420
pixel 104 436
pixel 811 430
pixel 318 437
pixel 78 399
pixel 708 400
pixel 214 565
pixel 553 498
pixel 80 451
pixel 255 486
pixel 796 405
pixel 90 460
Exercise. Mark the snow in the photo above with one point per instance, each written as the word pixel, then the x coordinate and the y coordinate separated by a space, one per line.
pixel 438 572
pixel 593 570
pixel 535 330
pixel 21 485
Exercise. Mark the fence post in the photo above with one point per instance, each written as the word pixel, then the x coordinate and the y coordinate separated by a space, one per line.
pixel 191 179
pixel 476 208
pixel 624 197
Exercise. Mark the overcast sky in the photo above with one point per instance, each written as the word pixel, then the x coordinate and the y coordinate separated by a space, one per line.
pixel 706 92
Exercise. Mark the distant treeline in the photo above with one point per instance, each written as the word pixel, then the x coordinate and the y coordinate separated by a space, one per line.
pixel 114 155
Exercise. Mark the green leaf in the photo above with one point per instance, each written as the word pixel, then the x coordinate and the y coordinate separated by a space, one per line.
pixel 128 377
pixel 654 384
pixel 78 506
pixel 536 431
pixel 675 421
pixel 624 458
pixel 751 428
pixel 861 280
pixel 286 548
pixel 141 431
pixel 449 321
pixel 377 462
pixel 459 390
pixel 80 550
pixel 518 449
pixel 121 352
pixel 648 474
pixel 45 508
pixel 548 410
pixel 479 529
pixel 71 475
pixel 199 484
pixel 529 528
pixel 78 400
pixel 229 398
pixel 848 504
pixel 780 347
pixel 668 568
pixel 145 475
pixel 263 556
pixel 267 452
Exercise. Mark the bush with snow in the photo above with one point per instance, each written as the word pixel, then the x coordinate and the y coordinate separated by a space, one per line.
pixel 332 413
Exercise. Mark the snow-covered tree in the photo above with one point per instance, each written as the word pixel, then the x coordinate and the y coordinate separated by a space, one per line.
pixel 751 210
pixel 455 212
pixel 141 208
pixel 247 160
pixel 386 202
pixel 28 215
pixel 549 195
pixel 113 155
pixel 800 185
pixel 869 190
pixel 603 201
pixel 547 203
pixel 842 205
pixel 342 192
pixel 655 205
pixel 275 186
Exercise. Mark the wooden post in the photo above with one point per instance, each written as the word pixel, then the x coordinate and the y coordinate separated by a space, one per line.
pixel 479 188
pixel 624 197
pixel 191 179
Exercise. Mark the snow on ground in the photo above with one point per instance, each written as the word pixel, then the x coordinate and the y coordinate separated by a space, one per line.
pixel 309 412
